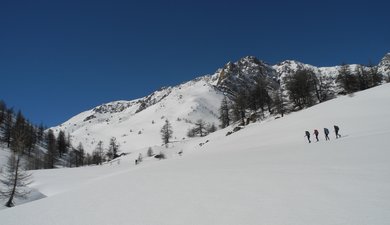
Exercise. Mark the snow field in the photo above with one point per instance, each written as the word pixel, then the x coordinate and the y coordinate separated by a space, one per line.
pixel 264 174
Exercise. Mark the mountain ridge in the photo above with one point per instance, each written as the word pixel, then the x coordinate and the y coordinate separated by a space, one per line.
pixel 183 104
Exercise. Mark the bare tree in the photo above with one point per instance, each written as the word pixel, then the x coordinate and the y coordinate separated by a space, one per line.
pixel 15 178
pixel 279 102
pixel 166 132
pixel 224 116
pixel 51 156
pixel 200 128
pixel 150 152
pixel 98 154
pixel 113 149
pixel 300 88
pixel 347 81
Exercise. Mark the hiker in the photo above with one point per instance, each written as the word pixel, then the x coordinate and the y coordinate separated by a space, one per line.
pixel 326 132
pixel 336 130
pixel 316 134
pixel 307 135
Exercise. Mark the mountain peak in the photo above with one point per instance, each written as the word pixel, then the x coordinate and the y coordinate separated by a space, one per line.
pixel 386 57
pixel 385 62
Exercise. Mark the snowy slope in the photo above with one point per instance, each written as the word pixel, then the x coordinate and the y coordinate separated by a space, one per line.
pixel 264 174
pixel 136 124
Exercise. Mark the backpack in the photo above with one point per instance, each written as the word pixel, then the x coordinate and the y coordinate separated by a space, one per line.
pixel 326 130
pixel 316 132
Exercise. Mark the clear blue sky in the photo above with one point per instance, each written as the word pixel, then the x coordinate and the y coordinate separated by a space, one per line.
pixel 61 57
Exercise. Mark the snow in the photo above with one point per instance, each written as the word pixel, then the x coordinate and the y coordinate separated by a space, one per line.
pixel 182 105
pixel 266 173
pixel 133 123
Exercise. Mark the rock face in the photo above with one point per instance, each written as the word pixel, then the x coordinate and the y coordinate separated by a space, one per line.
pixel 384 66
pixel 243 75
pixel 137 123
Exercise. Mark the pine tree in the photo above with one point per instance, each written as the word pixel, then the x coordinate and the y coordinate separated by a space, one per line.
pixel 61 143
pixel 51 156
pixel 7 126
pixel 166 133
pixel 40 133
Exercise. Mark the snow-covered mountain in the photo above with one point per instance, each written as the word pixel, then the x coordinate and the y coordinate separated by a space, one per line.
pixel 136 124
pixel 266 173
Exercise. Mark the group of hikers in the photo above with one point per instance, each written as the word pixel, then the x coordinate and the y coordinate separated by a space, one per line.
pixel 326 132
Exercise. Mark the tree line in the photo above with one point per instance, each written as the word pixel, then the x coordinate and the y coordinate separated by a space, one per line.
pixel 14 126
pixel 295 91
pixel 42 149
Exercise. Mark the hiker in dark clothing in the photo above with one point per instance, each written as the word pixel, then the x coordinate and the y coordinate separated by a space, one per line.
pixel 326 132
pixel 316 134
pixel 307 135
pixel 336 130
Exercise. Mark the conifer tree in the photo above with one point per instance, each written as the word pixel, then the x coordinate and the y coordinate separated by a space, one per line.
pixel 166 132
pixel 224 116
pixel 15 178
pixel 51 156
pixel 61 143
pixel 41 133
pixel 113 149
pixel 7 126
